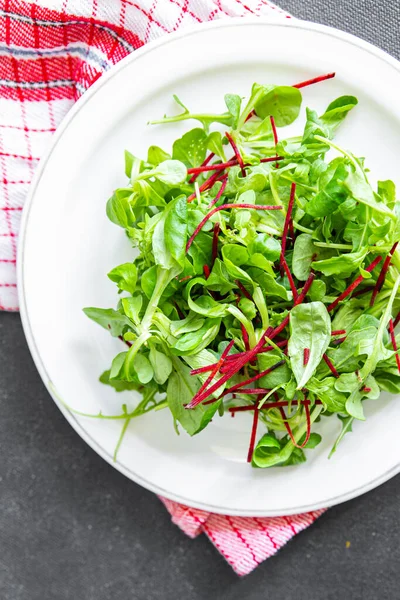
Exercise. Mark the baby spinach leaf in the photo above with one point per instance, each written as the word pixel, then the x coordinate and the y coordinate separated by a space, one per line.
pixel 310 327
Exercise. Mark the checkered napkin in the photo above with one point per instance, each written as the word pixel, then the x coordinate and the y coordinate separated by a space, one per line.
pixel 51 51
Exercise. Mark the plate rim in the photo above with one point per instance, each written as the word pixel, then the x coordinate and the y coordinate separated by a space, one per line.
pixel 69 117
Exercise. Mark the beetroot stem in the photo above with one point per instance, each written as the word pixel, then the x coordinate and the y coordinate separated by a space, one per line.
pixel 314 80
pixel 253 436
pixel 236 152
pixel 330 365
pixel 382 275
pixel 225 207
pixel 243 289
pixel 354 285
pixel 290 277
pixel 203 164
pixel 270 405
pixel 214 252
pixel 394 343
pixel 220 191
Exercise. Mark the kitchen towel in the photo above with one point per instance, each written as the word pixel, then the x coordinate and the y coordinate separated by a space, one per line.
pixel 51 51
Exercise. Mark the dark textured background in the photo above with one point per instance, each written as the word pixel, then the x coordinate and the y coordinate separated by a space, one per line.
pixel 73 528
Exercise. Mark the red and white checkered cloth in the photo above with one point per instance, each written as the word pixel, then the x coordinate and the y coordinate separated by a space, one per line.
pixel 51 51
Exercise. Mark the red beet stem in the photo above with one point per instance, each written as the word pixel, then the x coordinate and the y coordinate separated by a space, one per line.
pixel 125 341
pixel 214 167
pixel 241 384
pixel 396 320
pixel 306 404
pixel 245 337
pixel 366 390
pixel 206 185
pixel 290 277
pixel 330 365
pixel 206 271
pixel 274 132
pixel 338 341
pixel 214 252
pixel 220 191
pixel 270 405
pixel 251 114
pixel 306 356
pixel 225 207
pixel 338 332
pixel 382 275
pixel 354 285
pixel 243 289
pixel 363 291
pixel 394 343
pixel 217 367
pixel 203 164
pixel 314 80
pixel 236 152
pixel 253 436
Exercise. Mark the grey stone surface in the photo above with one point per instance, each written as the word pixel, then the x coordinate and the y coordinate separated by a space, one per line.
pixel 72 528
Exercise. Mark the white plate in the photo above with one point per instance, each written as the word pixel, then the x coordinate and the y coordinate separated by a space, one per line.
pixel 68 245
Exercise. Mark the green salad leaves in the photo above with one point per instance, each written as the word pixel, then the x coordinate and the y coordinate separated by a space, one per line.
pixel 265 278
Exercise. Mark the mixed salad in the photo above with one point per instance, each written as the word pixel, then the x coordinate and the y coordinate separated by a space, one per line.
pixel 266 277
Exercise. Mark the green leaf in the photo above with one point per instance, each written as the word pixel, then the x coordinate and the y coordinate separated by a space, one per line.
pixel 156 155
pixel 310 327
pixel 109 318
pixel 118 208
pixel 235 253
pixel 118 385
pixel 343 265
pixel 191 323
pixel 362 192
pixel 132 307
pixel 181 389
pixel 194 341
pixel 214 144
pixel 162 365
pixel 347 423
pixel 169 237
pixel 125 276
pixel 143 368
pixel 282 102
pixel 304 252
pixel 191 148
pixel 233 103
pixel 172 172
pixel 266 245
